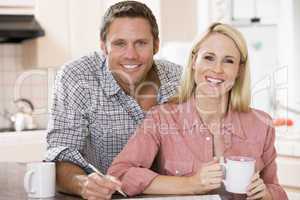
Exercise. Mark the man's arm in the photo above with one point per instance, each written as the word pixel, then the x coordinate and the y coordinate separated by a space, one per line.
pixel 67 138
pixel 70 178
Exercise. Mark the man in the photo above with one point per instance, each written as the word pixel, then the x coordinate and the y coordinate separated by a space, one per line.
pixel 100 99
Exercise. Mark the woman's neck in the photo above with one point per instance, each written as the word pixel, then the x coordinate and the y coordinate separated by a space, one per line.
pixel 211 109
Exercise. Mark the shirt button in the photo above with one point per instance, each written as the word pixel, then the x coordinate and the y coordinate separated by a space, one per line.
pixel 207 138
pixel 176 172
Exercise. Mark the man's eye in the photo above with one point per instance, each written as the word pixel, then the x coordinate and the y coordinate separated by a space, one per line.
pixel 141 43
pixel 119 44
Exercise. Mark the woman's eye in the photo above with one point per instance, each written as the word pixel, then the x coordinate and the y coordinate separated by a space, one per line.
pixel 209 58
pixel 229 61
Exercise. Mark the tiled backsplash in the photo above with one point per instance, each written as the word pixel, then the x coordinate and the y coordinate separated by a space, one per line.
pixel 17 82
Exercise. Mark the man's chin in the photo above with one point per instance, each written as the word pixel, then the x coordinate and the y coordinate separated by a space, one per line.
pixel 129 86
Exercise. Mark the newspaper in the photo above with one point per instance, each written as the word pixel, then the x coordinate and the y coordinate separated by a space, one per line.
pixel 198 197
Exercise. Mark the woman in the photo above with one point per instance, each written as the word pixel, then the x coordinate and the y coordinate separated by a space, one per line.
pixel 209 118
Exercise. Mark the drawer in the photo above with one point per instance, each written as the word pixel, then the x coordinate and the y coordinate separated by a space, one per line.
pixel 288 171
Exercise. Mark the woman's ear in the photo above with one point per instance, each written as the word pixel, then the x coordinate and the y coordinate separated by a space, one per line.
pixel 194 58
pixel 193 65
pixel 241 70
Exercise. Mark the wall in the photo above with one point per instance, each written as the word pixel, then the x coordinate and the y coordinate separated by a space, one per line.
pixel 296 12
pixel 179 21
pixel 17 82
pixel 72 30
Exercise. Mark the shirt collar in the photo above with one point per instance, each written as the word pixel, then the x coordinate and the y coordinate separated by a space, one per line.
pixel 231 123
pixel 108 82
pixel 166 89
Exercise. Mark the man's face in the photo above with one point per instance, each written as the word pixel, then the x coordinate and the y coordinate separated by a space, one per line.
pixel 129 48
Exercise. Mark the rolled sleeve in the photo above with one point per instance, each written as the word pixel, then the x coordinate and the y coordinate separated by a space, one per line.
pixel 277 192
pixel 66 154
pixel 137 179
pixel 269 172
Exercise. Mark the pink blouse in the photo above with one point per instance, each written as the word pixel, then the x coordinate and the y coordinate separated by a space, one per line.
pixel 175 137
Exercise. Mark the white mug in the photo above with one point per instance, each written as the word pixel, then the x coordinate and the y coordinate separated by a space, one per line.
pixel 238 173
pixel 39 180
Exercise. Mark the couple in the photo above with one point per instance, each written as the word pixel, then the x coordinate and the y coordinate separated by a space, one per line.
pixel 100 100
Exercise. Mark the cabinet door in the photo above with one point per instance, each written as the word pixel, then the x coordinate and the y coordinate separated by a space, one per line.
pixel 54 48
pixel 23 146
pixel 85 19
pixel 288 171
pixel 266 10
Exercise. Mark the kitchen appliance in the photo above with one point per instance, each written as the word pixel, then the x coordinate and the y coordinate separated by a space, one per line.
pixel 23 119
pixel 16 28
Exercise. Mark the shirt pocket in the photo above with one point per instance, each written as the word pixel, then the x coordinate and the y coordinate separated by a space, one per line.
pixel 178 168
pixel 249 148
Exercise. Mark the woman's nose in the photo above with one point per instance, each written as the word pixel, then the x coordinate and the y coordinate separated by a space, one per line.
pixel 218 68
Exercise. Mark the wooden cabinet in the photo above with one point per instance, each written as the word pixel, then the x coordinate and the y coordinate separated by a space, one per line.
pixel 289 175
pixel 71 30
pixel 84 20
pixel 288 171
pixel 53 48
pixel 267 11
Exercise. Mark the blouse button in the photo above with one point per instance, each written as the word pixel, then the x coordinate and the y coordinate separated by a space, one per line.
pixel 176 172
pixel 207 138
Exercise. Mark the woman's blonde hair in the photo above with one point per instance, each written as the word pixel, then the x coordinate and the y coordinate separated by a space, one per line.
pixel 240 95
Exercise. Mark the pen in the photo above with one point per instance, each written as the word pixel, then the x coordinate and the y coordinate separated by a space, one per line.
pixel 106 177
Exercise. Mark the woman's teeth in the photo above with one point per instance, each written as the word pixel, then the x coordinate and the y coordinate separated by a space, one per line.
pixel 130 66
pixel 214 80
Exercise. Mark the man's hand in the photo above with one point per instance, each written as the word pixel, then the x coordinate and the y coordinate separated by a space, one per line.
pixel 71 179
pixel 98 188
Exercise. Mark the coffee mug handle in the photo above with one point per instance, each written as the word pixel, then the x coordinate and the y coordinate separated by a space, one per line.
pixel 224 171
pixel 27 181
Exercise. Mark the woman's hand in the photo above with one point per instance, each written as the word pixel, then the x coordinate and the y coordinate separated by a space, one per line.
pixel 209 177
pixel 257 189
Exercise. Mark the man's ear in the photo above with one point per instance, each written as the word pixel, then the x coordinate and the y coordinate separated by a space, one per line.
pixel 103 47
pixel 155 46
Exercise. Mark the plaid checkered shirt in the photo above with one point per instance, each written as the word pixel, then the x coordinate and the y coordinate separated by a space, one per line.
pixel 92 118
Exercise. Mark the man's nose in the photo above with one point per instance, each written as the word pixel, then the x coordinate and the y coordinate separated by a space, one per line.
pixel 131 52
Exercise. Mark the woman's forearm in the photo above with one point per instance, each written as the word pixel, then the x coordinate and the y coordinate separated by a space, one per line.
pixel 170 185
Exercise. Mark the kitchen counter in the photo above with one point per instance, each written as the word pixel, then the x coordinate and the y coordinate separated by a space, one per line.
pixel 24 146
pixel 11 181
pixel 31 146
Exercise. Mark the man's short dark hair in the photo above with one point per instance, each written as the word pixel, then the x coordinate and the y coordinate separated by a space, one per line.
pixel 128 9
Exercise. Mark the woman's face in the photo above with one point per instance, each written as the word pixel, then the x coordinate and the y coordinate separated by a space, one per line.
pixel 216 66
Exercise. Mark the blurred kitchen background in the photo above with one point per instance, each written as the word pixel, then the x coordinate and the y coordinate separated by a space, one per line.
pixel 38 36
